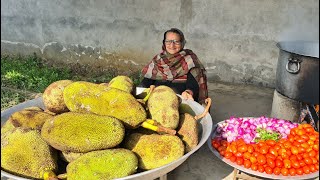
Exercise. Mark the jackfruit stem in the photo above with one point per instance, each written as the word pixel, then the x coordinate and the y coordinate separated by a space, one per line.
pixel 157 128
pixel 145 99
pixel 49 175
pixel 206 110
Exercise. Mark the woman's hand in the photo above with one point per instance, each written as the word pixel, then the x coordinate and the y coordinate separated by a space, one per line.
pixel 187 94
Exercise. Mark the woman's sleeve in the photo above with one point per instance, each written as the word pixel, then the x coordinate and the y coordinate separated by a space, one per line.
pixel 193 85
pixel 146 82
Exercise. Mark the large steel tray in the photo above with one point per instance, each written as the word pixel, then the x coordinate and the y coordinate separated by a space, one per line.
pixel 205 130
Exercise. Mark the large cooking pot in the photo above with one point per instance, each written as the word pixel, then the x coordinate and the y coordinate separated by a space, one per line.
pixel 205 128
pixel 297 75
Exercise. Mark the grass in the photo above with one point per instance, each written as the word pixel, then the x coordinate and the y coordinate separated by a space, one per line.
pixel 23 78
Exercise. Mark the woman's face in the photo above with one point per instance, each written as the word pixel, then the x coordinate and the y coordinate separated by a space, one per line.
pixel 173 43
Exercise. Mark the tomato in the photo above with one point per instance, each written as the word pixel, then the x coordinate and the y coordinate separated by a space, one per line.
pixel 238 154
pixel 302 163
pixel 233 148
pixel 271 163
pixel 306 126
pixel 301 149
pixel 294 150
pixel 224 143
pixel 271 156
pixel 314 160
pixel 306 169
pixel 233 158
pixel 295 143
pixel 292 172
pixel 305 137
pixel 247 163
pixel 215 144
pixel 250 149
pixel 309 129
pixel 268 170
pixel 282 152
pixel 305 145
pixel 228 155
pixel 271 142
pixel 276 170
pixel 315 147
pixel 308 160
pixel 299 171
pixel 260 168
pixel 264 150
pixel 316 166
pixel 256 154
pixel 293 158
pixel 299 157
pixel 261 143
pixel 279 163
pixel 305 155
pixel 261 159
pixel 253 159
pixel 284 171
pixel 221 148
pixel 222 153
pixel 301 132
pixel 254 167
pixel 312 168
pixel 295 163
pixel 287 163
pixel 277 147
pixel 247 155
pixel 273 151
pixel 313 137
pixel 287 144
pixel 239 160
pixel 242 148
pixel 291 138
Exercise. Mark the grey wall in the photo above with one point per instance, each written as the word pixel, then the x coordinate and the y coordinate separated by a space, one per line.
pixel 235 39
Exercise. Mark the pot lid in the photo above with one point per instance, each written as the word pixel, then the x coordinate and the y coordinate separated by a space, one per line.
pixel 306 48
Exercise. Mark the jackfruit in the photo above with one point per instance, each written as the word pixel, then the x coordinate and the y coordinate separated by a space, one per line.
pixel 26 154
pixel 53 96
pixel 123 83
pixel 103 164
pixel 154 150
pixel 163 105
pixel 82 132
pixel 188 131
pixel 101 100
pixel 70 156
pixel 31 117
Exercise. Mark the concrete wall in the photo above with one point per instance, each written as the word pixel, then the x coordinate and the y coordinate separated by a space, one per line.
pixel 235 39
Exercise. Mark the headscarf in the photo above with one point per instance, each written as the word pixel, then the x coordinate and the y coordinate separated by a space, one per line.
pixel 165 66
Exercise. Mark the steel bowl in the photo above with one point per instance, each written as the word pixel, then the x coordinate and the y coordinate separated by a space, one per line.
pixel 204 133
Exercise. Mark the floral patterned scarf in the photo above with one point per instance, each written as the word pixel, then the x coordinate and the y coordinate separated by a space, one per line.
pixel 165 66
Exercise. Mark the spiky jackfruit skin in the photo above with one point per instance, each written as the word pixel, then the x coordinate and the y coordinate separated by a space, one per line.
pixel 123 83
pixel 154 150
pixel 31 117
pixel 104 164
pixel 163 105
pixel 53 96
pixel 25 153
pixel 89 97
pixel 188 131
pixel 82 132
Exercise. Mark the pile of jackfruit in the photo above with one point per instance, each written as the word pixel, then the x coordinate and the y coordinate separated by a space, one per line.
pixel 98 131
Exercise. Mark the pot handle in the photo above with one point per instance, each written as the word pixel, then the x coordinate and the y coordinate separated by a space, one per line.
pixel 293 61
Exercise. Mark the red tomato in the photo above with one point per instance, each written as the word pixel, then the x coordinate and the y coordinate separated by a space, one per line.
pixel 273 151
pixel 268 170
pixel 228 155
pixel 239 160
pixel 295 163
pixel 238 154
pixel 294 150
pixel 253 159
pixel 299 171
pixel 293 158
pixel 233 158
pixel 315 147
pixel 312 153
pixel 264 149
pixel 254 167
pixel 247 163
pixel 292 172
pixel 312 168
pixel 316 166
pixel 242 148
pixel 250 149
pixel 306 169
pixel 260 168
pixel 277 147
pixel 301 132
pixel 279 163
pixel 286 163
pixel 308 161
pixel 271 156
pixel 261 159
pixel 271 142
pixel 314 160
pixel 276 170
pixel 271 163
pixel 287 144
pixel 284 171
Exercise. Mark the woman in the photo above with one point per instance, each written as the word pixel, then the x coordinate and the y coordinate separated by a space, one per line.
pixel 177 68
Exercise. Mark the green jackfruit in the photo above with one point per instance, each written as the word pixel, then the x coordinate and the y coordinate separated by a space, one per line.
pixel 32 117
pixel 154 150
pixel 188 131
pixel 82 132
pixel 163 105
pixel 25 153
pixel 123 83
pixel 104 164
pixel 53 96
pixel 102 100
